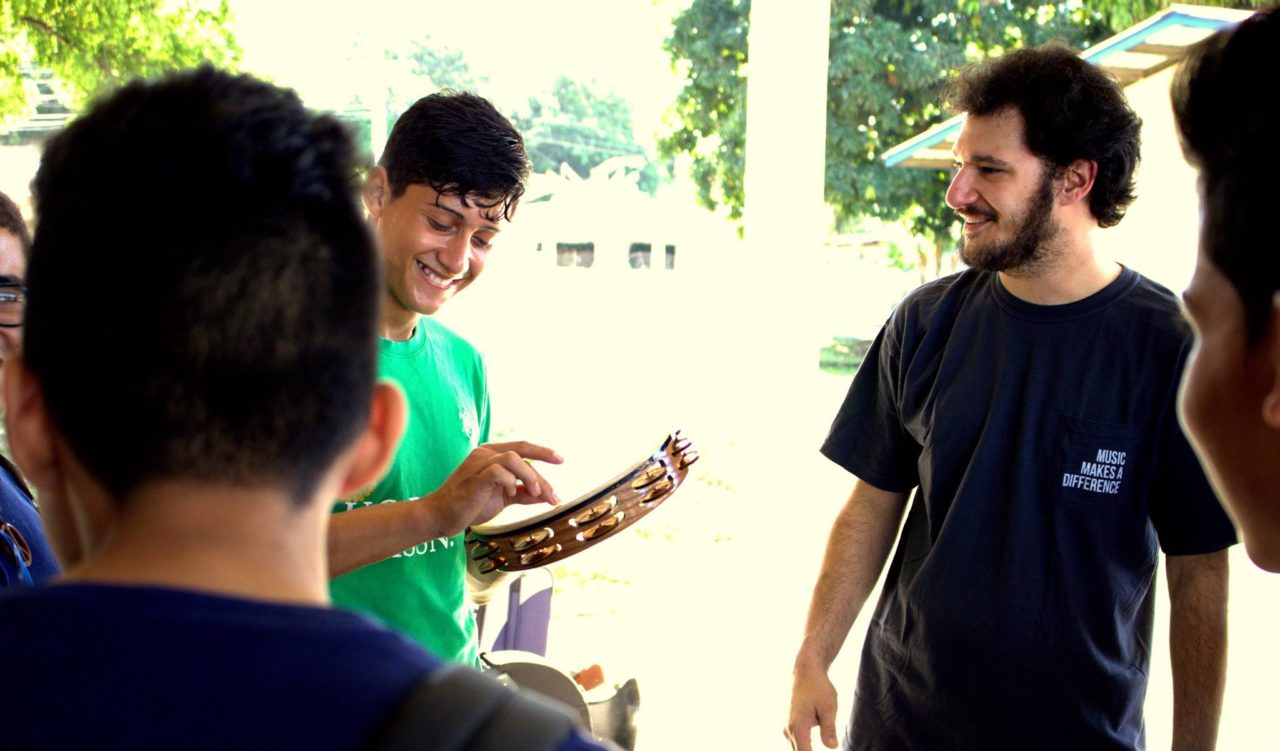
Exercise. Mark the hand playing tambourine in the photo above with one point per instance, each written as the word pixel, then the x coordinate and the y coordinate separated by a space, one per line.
pixel 573 527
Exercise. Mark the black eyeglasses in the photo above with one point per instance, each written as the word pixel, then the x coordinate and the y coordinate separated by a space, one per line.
pixel 13 303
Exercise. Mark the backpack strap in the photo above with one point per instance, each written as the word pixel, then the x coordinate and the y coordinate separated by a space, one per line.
pixel 457 708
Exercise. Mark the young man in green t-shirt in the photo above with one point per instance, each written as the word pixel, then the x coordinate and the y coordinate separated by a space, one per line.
pixel 449 178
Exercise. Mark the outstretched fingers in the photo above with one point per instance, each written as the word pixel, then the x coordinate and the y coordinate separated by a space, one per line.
pixel 532 487
pixel 528 450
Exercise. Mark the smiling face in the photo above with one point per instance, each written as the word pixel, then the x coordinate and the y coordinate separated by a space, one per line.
pixel 433 247
pixel 13 265
pixel 1003 193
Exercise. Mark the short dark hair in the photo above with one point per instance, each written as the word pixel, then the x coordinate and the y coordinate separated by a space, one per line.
pixel 203 288
pixel 1226 114
pixel 11 220
pixel 1072 110
pixel 459 144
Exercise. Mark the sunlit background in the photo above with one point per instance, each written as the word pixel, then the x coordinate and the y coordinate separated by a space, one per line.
pixel 618 307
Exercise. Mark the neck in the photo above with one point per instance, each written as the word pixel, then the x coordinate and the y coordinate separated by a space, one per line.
pixel 1071 271
pixel 252 542
pixel 396 322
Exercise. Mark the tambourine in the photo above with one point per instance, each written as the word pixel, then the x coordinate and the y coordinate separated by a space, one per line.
pixel 571 528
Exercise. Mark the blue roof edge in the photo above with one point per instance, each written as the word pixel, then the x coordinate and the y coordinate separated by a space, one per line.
pixel 1121 42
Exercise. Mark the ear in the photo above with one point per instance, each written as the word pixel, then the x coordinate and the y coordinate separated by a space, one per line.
pixel 1271 403
pixel 1077 181
pixel 26 420
pixel 376 446
pixel 377 191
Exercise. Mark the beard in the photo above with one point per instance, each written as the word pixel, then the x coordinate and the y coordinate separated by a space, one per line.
pixel 1026 250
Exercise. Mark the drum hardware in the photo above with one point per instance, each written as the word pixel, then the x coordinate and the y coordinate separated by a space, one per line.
pixel 569 529
pixel 606 712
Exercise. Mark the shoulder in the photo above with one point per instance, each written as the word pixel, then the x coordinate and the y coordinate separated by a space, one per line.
pixel 158 638
pixel 445 337
pixel 11 480
pixel 229 630
pixel 1152 304
pixel 938 300
pixel 958 287
pixel 440 332
pixel 961 282
pixel 1150 293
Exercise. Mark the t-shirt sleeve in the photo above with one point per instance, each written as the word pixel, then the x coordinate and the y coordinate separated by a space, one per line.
pixel 867 437
pixel 1184 510
pixel 482 398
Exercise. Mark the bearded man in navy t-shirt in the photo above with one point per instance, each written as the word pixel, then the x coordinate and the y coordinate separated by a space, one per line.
pixel 1027 407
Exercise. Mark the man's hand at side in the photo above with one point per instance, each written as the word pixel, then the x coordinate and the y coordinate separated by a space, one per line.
pixel 813 704
pixel 859 545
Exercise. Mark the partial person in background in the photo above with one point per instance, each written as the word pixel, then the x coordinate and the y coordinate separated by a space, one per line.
pixel 1228 111
pixel 448 182
pixel 25 555
pixel 198 382
pixel 1028 406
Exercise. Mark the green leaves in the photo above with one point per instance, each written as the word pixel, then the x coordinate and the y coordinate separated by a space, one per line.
pixel 581 126
pixel 889 64
pixel 708 46
pixel 94 45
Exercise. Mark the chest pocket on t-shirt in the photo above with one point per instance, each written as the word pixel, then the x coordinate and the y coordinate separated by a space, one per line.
pixel 1096 462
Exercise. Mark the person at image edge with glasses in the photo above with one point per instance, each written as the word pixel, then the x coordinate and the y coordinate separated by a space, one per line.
pixel 25 555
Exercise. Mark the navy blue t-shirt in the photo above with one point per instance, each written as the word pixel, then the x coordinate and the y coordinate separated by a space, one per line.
pixel 96 666
pixel 1049 469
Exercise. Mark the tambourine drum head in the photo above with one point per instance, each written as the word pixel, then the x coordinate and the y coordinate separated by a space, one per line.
pixel 524 537
pixel 515 518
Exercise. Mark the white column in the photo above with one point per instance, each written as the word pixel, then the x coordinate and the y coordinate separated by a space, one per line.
pixel 785 502
pixel 785 217
pixel 786 123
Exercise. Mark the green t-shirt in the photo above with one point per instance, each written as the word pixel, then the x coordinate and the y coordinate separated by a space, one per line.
pixel 422 591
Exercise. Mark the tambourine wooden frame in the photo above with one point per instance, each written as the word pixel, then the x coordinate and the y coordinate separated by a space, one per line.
pixel 592 518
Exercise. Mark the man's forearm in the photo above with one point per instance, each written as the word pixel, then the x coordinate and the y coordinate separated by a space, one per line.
pixel 369 534
pixel 1197 646
pixel 492 477
pixel 857 549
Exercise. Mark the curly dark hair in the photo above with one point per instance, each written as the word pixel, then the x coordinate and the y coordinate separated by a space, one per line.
pixel 1072 110
pixel 459 144
pixel 1224 112
pixel 203 287
pixel 11 220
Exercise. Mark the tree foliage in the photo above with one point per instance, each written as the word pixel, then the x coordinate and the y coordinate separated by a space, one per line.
pixel 444 66
pixel 574 123
pixel 708 46
pixel 92 45
pixel 889 61
pixel 581 127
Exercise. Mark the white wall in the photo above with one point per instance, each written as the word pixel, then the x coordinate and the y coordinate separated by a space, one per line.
pixel 1158 236
pixel 17 167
